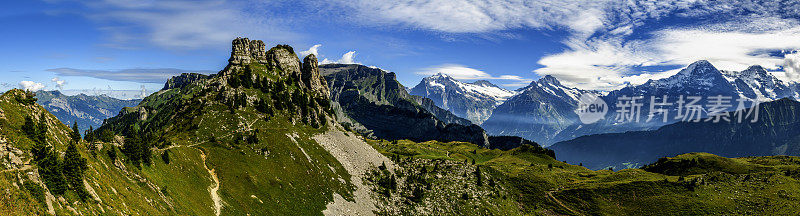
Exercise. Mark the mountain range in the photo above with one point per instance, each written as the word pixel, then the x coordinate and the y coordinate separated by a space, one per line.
pixel 774 130
pixel 84 109
pixel 473 101
pixel 544 111
pixel 372 101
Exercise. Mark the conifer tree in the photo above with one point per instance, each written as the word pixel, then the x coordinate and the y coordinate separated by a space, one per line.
pixel 76 134
pixel 478 176
pixel 73 168
pixel 165 156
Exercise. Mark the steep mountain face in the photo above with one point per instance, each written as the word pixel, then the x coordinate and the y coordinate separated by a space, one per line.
pixel 548 115
pixel 83 109
pixel 539 112
pixel 776 132
pixel 755 82
pixel 183 80
pixel 473 101
pixel 374 99
pixel 699 79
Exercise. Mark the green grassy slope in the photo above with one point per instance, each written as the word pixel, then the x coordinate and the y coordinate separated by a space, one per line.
pixel 535 184
pixel 117 191
pixel 254 127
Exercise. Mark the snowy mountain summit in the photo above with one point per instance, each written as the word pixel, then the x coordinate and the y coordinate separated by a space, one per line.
pixel 473 101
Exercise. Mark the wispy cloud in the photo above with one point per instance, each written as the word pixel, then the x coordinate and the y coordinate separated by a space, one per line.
pixel 133 75
pixel 58 82
pixel 607 64
pixel 605 42
pixel 183 24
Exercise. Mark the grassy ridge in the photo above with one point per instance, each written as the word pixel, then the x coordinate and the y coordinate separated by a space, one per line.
pixel 260 148
pixel 689 184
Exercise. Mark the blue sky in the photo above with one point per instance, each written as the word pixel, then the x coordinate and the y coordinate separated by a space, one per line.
pixel 593 44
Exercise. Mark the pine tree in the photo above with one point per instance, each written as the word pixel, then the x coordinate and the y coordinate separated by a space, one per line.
pixel 29 128
pixel 165 156
pixel 88 135
pixel 112 153
pixel 73 169
pixel 41 129
pixel 132 149
pixel 76 134
pixel 50 171
pixel 478 182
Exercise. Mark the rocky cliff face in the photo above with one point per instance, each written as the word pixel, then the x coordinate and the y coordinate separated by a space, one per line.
pixel 280 60
pixel 183 80
pixel 240 51
pixel 373 98
pixel 311 77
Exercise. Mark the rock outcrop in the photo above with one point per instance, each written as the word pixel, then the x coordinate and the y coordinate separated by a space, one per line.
pixel 310 75
pixel 377 101
pixel 283 58
pixel 258 51
pixel 183 80
pixel 244 51
pixel 240 52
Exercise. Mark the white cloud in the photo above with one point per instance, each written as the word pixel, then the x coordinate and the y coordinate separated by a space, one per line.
pixel 312 50
pixel 608 63
pixel 140 75
pixel 59 82
pixel 347 58
pixel 791 66
pixel 31 86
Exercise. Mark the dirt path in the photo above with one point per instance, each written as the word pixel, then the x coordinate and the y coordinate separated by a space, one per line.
pixel 357 157
pixel 550 194
pixel 214 187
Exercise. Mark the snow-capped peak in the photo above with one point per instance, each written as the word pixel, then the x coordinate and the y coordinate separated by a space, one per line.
pixel 440 76
pixel 698 68
pixel 759 83
pixel 473 101
pixel 549 79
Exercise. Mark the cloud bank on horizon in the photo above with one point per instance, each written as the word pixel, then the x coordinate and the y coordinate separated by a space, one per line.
pixel 157 76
